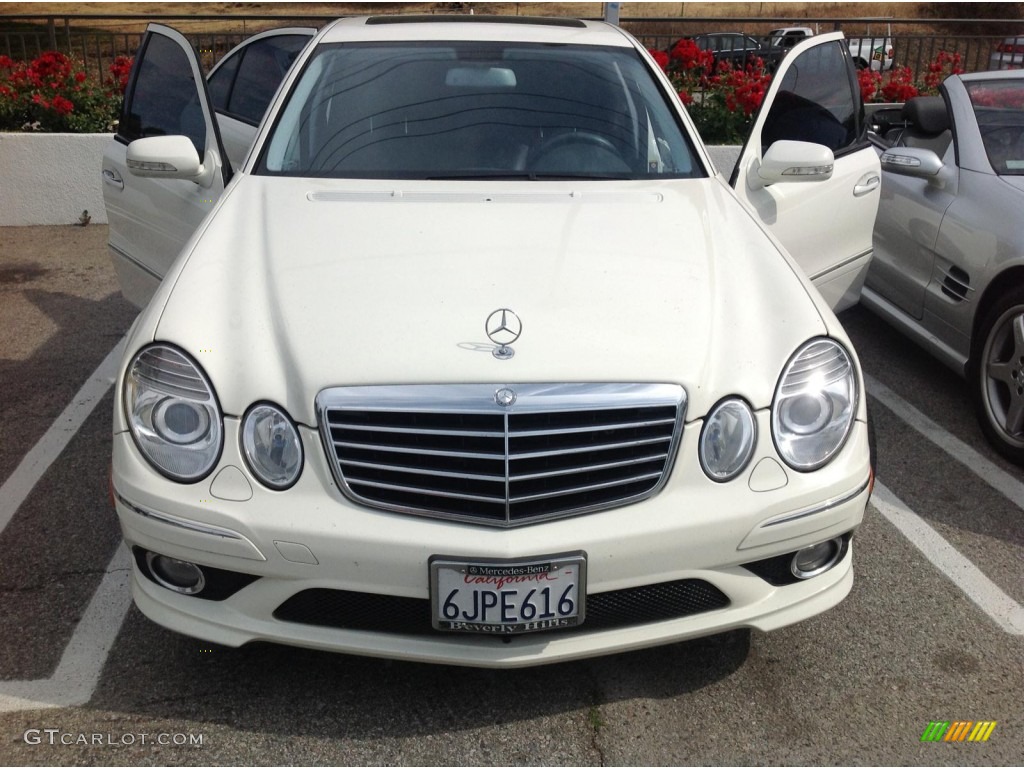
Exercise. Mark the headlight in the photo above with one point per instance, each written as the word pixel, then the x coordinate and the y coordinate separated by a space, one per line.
pixel 173 413
pixel 271 446
pixel 727 440
pixel 815 405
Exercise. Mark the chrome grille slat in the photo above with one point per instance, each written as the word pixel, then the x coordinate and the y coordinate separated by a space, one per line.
pixel 421 451
pixel 450 451
pixel 438 432
pixel 422 471
pixel 587 449
pixel 583 489
pixel 594 468
pixel 430 492
pixel 599 428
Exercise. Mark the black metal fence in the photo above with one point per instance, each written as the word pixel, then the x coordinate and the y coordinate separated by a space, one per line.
pixel 97 39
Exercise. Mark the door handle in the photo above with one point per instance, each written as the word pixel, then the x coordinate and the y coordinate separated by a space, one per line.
pixel 867 184
pixel 112 178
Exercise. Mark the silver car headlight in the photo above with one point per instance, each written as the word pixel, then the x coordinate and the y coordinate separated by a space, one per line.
pixel 727 439
pixel 173 413
pixel 271 446
pixel 815 404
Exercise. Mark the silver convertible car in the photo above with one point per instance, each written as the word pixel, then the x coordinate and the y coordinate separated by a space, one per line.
pixel 474 357
pixel 948 268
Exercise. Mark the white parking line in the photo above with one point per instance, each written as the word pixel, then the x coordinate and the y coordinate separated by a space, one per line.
pixel 19 485
pixel 78 673
pixel 995 476
pixel 982 591
pixel 81 664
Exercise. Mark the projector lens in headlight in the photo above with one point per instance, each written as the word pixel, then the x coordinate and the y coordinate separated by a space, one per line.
pixel 727 439
pixel 173 413
pixel 271 445
pixel 815 404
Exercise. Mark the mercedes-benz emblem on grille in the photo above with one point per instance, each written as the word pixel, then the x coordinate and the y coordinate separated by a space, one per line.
pixel 505 397
pixel 503 327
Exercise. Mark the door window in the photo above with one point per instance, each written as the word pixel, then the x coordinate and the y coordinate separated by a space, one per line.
pixel 816 102
pixel 244 85
pixel 164 100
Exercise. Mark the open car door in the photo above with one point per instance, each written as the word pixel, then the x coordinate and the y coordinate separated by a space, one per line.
pixel 823 217
pixel 165 167
pixel 243 83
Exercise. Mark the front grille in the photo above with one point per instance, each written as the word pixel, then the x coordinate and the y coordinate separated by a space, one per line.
pixel 454 452
pixel 411 616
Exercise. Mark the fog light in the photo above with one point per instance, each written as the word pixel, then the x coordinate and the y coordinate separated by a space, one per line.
pixel 810 561
pixel 177 575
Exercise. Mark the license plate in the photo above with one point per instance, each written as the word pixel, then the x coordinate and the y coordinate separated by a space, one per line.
pixel 508 597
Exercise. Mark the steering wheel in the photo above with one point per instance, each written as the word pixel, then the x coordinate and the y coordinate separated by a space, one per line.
pixel 564 140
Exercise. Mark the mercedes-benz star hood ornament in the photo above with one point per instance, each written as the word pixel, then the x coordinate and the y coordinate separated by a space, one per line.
pixel 503 327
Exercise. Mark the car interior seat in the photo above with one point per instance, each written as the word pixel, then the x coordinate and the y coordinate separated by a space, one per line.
pixel 925 124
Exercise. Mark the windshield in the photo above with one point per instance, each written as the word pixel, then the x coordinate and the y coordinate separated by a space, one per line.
pixel 999 108
pixel 477 109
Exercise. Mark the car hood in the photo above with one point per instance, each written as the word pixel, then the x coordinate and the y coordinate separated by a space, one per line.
pixel 297 285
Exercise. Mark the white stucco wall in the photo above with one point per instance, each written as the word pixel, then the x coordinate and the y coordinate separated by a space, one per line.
pixel 50 178
pixel 724 156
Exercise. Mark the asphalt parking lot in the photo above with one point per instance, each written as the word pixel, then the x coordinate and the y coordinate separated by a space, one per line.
pixel 933 630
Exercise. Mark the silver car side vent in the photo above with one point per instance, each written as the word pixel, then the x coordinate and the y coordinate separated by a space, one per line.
pixel 956 283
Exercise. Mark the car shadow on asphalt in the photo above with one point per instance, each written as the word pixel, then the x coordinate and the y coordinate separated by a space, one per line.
pixel 292 691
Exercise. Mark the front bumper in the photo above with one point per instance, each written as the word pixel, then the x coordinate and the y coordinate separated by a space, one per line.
pixel 311 538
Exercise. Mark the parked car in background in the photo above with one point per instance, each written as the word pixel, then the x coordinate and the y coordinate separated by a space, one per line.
pixel 948 268
pixel 1008 54
pixel 367 410
pixel 788 37
pixel 735 48
pixel 874 52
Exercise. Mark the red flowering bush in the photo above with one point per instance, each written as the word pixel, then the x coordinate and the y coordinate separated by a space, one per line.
pixel 945 64
pixel 660 57
pixel 899 84
pixel 53 93
pixel 870 82
pixel 729 100
pixel 686 56
pixel 723 100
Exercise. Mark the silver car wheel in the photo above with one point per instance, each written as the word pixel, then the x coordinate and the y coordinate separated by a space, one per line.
pixel 1000 376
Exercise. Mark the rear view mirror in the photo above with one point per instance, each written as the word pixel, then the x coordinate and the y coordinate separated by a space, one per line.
pixel 166 157
pixel 480 77
pixel 793 161
pixel 911 161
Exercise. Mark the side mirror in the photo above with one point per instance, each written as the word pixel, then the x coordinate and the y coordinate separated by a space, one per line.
pixel 911 161
pixel 167 157
pixel 790 161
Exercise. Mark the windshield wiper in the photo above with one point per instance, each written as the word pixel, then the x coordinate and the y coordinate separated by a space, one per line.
pixel 529 176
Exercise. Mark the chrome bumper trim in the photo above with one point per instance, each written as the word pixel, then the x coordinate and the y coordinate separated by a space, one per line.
pixel 823 507
pixel 177 522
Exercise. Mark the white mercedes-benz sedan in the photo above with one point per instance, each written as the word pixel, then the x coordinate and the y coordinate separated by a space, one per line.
pixel 476 358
